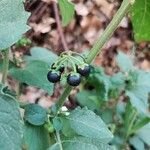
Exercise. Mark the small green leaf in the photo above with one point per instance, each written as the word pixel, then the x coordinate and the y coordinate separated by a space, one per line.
pixel 11 125
pixel 139 93
pixel 100 81
pixel 139 124
pixel 124 62
pixel 34 74
pixel 89 99
pixel 13 19
pixel 42 54
pixel 36 138
pixel 67 10
pixel 86 123
pixel 140 16
pixel 35 114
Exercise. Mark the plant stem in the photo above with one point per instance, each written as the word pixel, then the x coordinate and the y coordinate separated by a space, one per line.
pixel 5 65
pixel 63 97
pixel 59 140
pixel 124 8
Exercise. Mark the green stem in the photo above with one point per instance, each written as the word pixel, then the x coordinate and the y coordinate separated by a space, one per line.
pixel 124 8
pixel 63 97
pixel 59 140
pixel 5 65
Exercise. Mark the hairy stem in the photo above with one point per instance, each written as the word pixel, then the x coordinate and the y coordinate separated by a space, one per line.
pixel 63 97
pixel 124 8
pixel 5 65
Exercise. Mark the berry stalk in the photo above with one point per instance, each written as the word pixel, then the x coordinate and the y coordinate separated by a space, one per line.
pixel 96 49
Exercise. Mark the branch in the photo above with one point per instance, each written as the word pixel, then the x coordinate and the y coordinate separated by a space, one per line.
pixel 59 27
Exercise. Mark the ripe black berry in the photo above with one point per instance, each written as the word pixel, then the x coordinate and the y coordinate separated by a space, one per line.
pixel 53 76
pixel 74 79
pixel 84 70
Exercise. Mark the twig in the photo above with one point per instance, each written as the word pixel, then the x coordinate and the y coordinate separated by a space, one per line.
pixel 59 27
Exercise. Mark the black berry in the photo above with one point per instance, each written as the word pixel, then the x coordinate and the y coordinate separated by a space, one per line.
pixel 53 76
pixel 84 70
pixel 74 79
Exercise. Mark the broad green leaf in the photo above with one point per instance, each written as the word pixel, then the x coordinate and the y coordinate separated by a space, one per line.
pixel 137 143
pixel 36 138
pixel 42 54
pixel 86 123
pixel 73 145
pixel 11 125
pixel 34 74
pixel 144 134
pixel 67 10
pixel 124 62
pixel 35 114
pixel 139 93
pixel 89 99
pixel 13 19
pixel 140 17
pixel 81 143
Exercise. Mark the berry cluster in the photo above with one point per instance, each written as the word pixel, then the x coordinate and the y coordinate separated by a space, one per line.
pixel 70 65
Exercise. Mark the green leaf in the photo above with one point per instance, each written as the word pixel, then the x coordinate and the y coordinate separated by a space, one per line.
pixel 140 17
pixel 81 143
pixel 36 138
pixel 42 54
pixel 67 10
pixel 139 124
pixel 137 143
pixel 101 82
pixel 124 62
pixel 66 128
pixel 35 114
pixel 34 74
pixel 86 123
pixel 13 20
pixel 144 134
pixel 89 99
pixel 11 125
pixel 139 93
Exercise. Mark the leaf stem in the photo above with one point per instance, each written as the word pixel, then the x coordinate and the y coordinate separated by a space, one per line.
pixel 5 65
pixel 124 8
pixel 59 140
